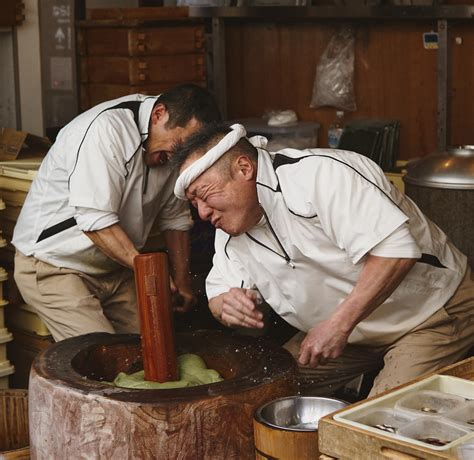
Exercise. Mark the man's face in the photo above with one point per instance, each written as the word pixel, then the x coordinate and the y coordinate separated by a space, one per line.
pixel 161 139
pixel 229 203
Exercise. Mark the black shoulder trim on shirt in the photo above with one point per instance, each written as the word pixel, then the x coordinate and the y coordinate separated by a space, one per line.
pixel 304 217
pixel 225 247
pixel 134 106
pixel 269 188
pixel 281 160
pixel 431 260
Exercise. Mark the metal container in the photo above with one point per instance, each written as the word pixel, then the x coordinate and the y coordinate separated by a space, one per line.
pixel 442 185
pixel 288 427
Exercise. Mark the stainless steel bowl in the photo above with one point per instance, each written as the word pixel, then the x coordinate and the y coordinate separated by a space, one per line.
pixel 297 413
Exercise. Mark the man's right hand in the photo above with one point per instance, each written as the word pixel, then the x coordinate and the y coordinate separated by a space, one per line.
pixel 237 307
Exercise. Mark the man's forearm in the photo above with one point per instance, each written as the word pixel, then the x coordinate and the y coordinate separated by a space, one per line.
pixel 115 243
pixel 380 276
pixel 178 245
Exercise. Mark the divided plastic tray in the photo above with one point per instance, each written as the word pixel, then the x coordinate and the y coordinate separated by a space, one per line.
pixel 435 413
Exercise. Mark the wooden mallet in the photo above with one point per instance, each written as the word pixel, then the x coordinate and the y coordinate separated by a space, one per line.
pixel 156 317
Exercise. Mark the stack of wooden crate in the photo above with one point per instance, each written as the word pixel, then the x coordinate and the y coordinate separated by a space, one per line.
pixel 6 369
pixel 127 55
pixel 28 334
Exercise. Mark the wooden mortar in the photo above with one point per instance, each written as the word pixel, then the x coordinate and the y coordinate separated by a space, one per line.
pixel 73 410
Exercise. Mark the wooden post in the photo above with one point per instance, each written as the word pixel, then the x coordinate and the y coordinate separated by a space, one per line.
pixel 156 318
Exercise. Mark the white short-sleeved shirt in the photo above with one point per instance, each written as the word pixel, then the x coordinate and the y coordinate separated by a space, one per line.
pixel 326 210
pixel 95 173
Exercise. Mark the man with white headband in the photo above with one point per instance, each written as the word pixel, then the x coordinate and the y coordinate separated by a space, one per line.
pixel 337 251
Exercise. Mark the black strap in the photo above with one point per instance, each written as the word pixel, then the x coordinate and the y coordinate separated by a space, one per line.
pixel 431 260
pixel 57 228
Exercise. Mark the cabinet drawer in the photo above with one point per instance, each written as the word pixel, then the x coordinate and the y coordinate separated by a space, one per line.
pixel 107 41
pixel 142 71
pixel 95 93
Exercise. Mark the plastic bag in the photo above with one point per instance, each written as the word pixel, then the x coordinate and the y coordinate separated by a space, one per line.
pixel 334 81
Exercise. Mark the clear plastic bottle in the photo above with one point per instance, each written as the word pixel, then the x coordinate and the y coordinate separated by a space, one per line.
pixel 335 130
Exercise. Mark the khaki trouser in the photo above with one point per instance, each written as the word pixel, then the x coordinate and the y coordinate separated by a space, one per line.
pixel 442 339
pixel 72 303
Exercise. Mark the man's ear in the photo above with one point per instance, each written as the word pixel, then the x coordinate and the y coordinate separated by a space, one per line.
pixel 158 112
pixel 244 167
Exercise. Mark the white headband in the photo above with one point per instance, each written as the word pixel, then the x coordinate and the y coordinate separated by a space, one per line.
pixel 192 172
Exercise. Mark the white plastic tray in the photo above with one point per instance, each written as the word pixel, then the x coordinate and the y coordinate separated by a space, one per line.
pixel 443 383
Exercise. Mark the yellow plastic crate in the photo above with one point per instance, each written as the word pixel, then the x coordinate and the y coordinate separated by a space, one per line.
pixel 24 318
pixel 18 175
pixel 397 180
pixel 3 302
pixel 13 198
pixel 6 369
pixel 5 337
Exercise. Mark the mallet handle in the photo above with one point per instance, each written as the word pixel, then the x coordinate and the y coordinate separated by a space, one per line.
pixel 156 317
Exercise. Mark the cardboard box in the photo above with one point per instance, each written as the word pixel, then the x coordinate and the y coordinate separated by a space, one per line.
pixel 15 145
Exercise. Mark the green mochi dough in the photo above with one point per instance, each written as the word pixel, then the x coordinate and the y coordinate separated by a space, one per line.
pixel 192 371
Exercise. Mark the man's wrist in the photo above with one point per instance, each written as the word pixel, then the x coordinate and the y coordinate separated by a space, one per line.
pixel 341 320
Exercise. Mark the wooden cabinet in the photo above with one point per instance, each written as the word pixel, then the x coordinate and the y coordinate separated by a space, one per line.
pixel 137 71
pixel 141 41
pixel 11 13
pixel 125 56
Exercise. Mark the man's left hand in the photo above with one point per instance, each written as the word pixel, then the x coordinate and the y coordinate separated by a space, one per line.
pixel 324 341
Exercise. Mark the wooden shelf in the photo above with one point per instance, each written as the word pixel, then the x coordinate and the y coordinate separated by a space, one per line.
pixel 353 13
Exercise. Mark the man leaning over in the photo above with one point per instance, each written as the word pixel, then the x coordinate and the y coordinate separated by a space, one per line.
pixel 336 250
pixel 92 205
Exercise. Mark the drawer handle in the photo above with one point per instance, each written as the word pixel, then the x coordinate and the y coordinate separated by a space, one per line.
pixel 142 77
pixel 141 36
pixel 393 454
pixel 142 65
pixel 141 47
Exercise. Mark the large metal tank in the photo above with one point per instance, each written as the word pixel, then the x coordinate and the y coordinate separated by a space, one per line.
pixel 442 185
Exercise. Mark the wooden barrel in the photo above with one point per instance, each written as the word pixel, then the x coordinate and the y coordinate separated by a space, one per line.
pixel 276 443
pixel 287 428
pixel 73 410
pixel 14 425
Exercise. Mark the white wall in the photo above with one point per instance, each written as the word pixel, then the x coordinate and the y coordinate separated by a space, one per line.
pixel 29 70
pixel 8 103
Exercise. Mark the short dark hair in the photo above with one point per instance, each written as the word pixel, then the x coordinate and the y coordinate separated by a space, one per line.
pixel 204 139
pixel 184 102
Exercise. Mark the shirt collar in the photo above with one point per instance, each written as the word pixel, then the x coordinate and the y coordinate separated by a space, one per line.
pixel 144 114
pixel 266 177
